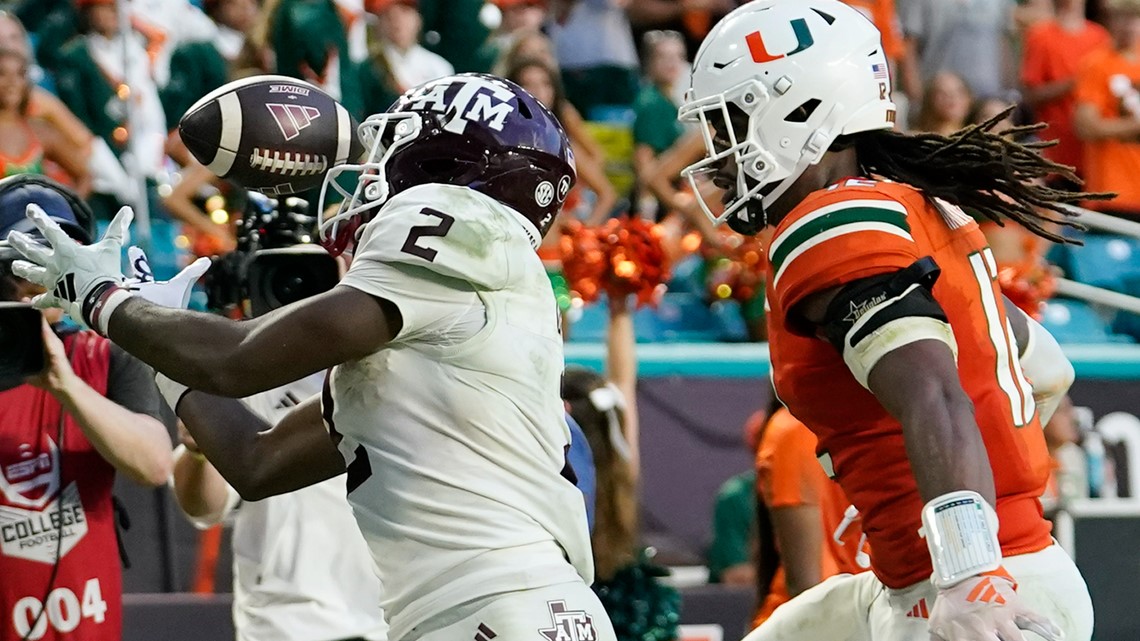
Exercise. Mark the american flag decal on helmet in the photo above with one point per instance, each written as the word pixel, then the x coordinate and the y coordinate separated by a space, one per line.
pixel 292 119
pixel 879 71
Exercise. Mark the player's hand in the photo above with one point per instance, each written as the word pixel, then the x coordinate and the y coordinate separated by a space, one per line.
pixel 69 271
pixel 168 293
pixel 986 607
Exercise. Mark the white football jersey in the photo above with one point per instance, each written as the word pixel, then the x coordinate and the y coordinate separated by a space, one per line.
pixel 455 439
pixel 302 571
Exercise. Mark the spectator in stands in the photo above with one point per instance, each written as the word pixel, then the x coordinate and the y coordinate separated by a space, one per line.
pixel 103 74
pixel 732 553
pixel 1107 116
pixel 542 82
pixel 517 17
pixel 26 145
pixel 898 50
pixel 655 124
pixel 1054 49
pixel 946 104
pixel 167 25
pixel 692 18
pixel 595 49
pixel 309 41
pixel 1069 478
pixel 802 515
pixel 46 112
pixel 527 45
pixel 639 606
pixel 66 432
pixel 210 232
pixel 199 67
pixel 453 29
pixel 973 40
pixel 399 25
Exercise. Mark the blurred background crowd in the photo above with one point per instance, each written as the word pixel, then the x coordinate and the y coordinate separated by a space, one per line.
pixel 93 99
pixel 92 96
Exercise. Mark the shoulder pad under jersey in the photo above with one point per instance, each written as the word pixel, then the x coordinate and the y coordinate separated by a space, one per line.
pixel 454 231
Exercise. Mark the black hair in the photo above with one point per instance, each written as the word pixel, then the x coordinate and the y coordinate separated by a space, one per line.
pixel 984 172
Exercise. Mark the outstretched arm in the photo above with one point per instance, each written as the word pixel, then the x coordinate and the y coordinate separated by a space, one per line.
pixel 942 438
pixel 238 358
pixel 257 459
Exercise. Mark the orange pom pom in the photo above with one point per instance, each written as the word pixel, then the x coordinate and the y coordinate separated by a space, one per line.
pixel 583 261
pixel 1028 285
pixel 739 274
pixel 622 257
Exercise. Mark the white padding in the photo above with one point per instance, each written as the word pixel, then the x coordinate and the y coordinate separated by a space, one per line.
pixel 1047 368
pixel 961 531
pixel 344 134
pixel 862 358
pixel 223 161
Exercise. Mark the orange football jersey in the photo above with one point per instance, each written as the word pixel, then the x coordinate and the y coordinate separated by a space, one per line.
pixel 862 228
pixel 789 475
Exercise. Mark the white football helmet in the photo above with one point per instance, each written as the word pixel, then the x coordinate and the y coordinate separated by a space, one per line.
pixel 803 72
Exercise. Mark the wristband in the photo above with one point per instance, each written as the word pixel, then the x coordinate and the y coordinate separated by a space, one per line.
pixel 961 531
pixel 101 303
pixel 171 390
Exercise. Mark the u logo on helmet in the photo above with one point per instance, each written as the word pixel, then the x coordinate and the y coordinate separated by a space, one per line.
pixel 759 50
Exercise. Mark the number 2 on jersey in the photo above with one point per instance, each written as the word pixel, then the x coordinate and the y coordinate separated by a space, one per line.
pixel 1009 375
pixel 411 243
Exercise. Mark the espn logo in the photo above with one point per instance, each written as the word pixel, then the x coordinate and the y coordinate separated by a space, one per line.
pixel 292 119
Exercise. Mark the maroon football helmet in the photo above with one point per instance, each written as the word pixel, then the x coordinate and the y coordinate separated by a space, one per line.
pixel 473 130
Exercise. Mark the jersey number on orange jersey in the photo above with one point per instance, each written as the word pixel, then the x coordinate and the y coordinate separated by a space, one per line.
pixel 1009 375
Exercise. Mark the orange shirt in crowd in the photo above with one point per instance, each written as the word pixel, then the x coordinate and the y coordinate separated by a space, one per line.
pixel 789 475
pixel 1053 53
pixel 882 13
pixel 861 228
pixel 1111 165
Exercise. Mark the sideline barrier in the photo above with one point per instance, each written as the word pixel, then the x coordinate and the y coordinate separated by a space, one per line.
pixel 750 360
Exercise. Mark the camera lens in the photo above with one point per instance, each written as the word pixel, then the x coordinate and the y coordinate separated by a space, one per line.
pixel 280 279
pixel 21 343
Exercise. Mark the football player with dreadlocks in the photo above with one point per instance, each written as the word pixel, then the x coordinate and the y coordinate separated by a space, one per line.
pixel 444 345
pixel 888 333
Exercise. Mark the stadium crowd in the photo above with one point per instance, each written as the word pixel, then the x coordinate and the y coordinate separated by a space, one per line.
pixel 92 99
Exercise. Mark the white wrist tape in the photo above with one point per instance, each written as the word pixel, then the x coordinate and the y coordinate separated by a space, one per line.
pixel 171 390
pixel 961 532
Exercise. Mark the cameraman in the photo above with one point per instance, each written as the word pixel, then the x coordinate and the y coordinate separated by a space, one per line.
pixel 63 435
pixel 302 571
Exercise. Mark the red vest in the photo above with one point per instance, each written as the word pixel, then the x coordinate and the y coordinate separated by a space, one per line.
pixel 55 500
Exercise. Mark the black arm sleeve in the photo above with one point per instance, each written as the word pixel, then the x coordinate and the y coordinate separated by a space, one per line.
pixel 894 290
pixel 130 383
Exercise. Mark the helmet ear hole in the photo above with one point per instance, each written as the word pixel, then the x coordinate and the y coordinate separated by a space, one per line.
pixel 803 112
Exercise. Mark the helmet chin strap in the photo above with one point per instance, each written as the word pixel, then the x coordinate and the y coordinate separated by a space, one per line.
pixel 749 219
pixel 752 215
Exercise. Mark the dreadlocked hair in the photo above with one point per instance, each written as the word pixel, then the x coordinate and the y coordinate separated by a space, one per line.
pixel 979 170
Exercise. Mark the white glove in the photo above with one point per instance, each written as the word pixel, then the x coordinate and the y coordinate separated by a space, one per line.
pixel 70 272
pixel 986 607
pixel 168 293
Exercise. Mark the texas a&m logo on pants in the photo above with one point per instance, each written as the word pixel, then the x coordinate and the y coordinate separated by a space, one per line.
pixel 569 625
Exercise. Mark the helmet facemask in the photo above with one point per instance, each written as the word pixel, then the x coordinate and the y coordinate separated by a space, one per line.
pixel 384 134
pixel 739 116
pixel 791 76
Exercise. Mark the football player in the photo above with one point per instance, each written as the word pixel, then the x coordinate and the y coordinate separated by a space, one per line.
pixel 442 402
pixel 888 333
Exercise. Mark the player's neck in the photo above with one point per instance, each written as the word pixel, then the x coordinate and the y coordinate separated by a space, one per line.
pixel 833 167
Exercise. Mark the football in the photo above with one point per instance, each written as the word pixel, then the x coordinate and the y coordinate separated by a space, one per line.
pixel 273 134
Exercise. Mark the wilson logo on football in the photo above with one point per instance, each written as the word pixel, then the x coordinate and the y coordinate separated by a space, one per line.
pixel 293 119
